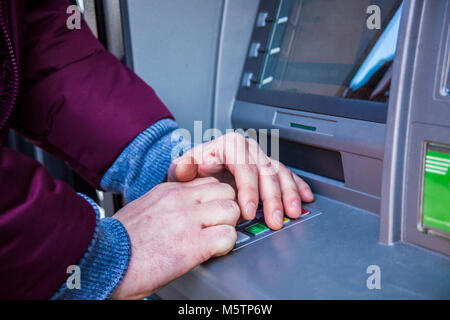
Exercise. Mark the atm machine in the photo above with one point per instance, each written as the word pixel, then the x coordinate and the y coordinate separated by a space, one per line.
pixel 363 113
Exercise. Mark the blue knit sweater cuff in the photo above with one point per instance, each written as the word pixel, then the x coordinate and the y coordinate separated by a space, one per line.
pixel 104 264
pixel 145 161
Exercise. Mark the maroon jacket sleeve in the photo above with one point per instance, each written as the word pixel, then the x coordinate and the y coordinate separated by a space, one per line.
pixel 44 228
pixel 81 104
pixel 77 100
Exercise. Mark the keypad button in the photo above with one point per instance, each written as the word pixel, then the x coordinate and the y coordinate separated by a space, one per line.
pixel 243 223
pixel 257 228
pixel 241 237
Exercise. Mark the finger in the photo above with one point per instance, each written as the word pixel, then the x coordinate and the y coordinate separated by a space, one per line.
pixel 237 160
pixel 218 240
pixel 270 189
pixel 200 181
pixel 183 169
pixel 246 178
pixel 171 172
pixel 212 191
pixel 218 212
pixel 289 192
pixel 271 198
pixel 303 188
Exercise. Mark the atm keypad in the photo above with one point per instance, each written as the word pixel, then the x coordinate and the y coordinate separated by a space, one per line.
pixel 252 231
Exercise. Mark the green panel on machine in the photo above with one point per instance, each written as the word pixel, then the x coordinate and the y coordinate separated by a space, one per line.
pixel 436 205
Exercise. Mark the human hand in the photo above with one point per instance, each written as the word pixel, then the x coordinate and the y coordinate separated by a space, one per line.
pixel 241 162
pixel 173 228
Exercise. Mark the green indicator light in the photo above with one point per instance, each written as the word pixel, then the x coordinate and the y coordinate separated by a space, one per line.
pixel 436 204
pixel 256 229
pixel 302 126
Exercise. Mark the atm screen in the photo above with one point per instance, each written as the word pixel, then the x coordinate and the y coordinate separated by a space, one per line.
pixel 436 190
pixel 333 48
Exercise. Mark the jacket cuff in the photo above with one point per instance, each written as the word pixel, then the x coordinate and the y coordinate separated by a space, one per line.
pixel 145 161
pixel 104 264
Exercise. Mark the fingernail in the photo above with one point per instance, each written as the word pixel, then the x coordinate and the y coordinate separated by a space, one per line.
pixel 297 205
pixel 250 209
pixel 278 216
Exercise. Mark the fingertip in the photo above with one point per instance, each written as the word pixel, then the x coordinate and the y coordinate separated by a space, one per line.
pixel 274 226
pixel 274 220
pixel 248 202
pixel 249 210
pixel 293 209
pixel 186 169
pixel 307 195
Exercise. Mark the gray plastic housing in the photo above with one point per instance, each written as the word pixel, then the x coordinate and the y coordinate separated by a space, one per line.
pixel 174 48
pixel 326 256
pixel 419 113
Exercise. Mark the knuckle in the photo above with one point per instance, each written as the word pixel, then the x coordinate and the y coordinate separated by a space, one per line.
pixel 302 184
pixel 291 192
pixel 306 187
pixel 250 190
pixel 211 180
pixel 234 208
pixel 266 169
pixel 253 144
pixel 228 233
pixel 173 194
pixel 228 189
pixel 281 167
pixel 266 164
pixel 299 181
pixel 252 141
pixel 252 169
pixel 277 170
pixel 230 136
pixel 276 199
pixel 272 200
pixel 161 187
pixel 227 205
pixel 234 137
pixel 273 180
pixel 230 208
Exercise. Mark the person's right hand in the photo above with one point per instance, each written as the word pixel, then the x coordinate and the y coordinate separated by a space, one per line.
pixel 172 229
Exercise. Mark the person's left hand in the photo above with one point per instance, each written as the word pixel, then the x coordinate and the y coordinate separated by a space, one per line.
pixel 242 163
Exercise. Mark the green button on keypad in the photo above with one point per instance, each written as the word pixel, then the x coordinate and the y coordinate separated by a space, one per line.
pixel 256 229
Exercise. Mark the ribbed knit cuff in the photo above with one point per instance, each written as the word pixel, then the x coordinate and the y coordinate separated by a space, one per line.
pixel 145 161
pixel 104 263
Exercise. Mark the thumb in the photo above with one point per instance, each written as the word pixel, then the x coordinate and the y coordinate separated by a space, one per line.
pixel 183 170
